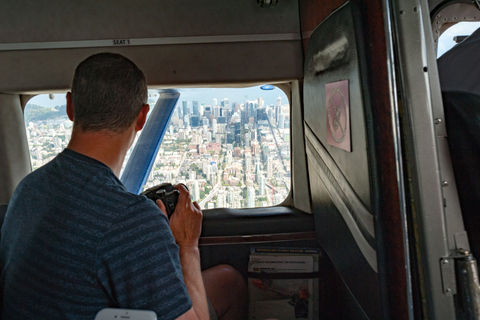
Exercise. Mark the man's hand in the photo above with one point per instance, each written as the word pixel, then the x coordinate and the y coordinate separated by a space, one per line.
pixel 186 225
pixel 186 220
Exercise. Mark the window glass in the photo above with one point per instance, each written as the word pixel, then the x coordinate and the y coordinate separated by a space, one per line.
pixel 48 127
pixel 231 147
pixel 446 40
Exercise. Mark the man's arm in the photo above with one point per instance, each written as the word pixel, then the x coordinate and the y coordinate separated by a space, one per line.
pixel 186 225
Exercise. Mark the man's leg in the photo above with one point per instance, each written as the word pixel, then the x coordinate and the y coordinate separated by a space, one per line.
pixel 227 291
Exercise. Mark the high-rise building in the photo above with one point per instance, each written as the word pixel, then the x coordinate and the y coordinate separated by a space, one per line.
pixel 221 199
pixel 216 111
pixel 196 111
pixel 214 126
pixel 260 102
pixel 228 158
pixel 248 163
pixel 250 197
pixel 261 186
pixel 225 103
pixel 281 121
pixel 207 112
pixel 248 137
pixel 194 121
pixel 196 191
pixel 185 110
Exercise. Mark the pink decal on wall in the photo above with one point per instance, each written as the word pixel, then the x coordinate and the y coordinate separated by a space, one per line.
pixel 338 115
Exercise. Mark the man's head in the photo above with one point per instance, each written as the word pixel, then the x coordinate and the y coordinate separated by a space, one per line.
pixel 108 93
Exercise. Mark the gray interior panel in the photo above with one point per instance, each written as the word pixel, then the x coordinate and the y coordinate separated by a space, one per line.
pixel 209 44
pixel 342 181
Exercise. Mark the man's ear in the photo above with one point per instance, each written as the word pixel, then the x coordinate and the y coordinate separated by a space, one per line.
pixel 142 117
pixel 69 106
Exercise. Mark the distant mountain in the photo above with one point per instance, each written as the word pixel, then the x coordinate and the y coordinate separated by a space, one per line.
pixel 35 112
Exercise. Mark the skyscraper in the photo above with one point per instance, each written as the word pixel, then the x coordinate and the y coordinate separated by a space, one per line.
pixel 261 186
pixel 250 197
pixel 185 108
pixel 196 111
pixel 196 191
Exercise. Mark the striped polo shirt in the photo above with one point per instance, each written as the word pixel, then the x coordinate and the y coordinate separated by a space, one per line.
pixel 75 241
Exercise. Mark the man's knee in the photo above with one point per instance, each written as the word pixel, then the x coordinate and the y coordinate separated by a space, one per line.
pixel 224 277
pixel 227 291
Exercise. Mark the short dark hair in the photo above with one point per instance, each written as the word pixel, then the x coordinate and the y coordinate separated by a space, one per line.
pixel 108 92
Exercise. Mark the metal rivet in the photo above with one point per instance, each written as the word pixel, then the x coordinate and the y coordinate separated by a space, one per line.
pixel 448 290
pixel 444 183
pixel 445 261
pixel 464 271
pixel 438 121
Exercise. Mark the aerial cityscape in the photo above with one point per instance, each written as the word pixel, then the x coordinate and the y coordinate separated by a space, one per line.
pixel 231 153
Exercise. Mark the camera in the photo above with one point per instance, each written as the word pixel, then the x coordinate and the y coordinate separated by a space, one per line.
pixel 165 192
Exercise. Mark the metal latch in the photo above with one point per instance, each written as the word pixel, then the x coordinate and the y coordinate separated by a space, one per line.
pixel 460 277
pixel 447 266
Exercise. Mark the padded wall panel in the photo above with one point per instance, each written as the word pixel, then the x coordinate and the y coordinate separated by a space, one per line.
pixel 36 71
pixel 342 182
pixel 59 20
pixel 14 153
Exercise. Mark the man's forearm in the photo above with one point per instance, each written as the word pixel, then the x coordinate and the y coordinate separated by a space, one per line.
pixel 192 274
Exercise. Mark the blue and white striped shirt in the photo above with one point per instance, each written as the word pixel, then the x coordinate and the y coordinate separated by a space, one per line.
pixel 74 241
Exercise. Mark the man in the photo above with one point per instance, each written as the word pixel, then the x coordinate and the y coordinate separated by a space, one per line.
pixel 75 241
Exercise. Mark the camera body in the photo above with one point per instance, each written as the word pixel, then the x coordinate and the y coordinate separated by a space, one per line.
pixel 165 192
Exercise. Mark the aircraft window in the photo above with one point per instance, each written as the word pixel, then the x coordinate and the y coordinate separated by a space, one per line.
pixel 48 127
pixel 231 147
pixel 454 35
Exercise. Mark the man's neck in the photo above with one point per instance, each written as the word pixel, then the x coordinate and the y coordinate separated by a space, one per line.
pixel 107 147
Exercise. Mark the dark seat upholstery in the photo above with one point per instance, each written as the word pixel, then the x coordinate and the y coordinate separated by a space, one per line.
pixel 462 116
pixel 3 211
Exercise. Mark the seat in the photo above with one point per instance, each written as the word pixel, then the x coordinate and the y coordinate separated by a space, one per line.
pixel 462 118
